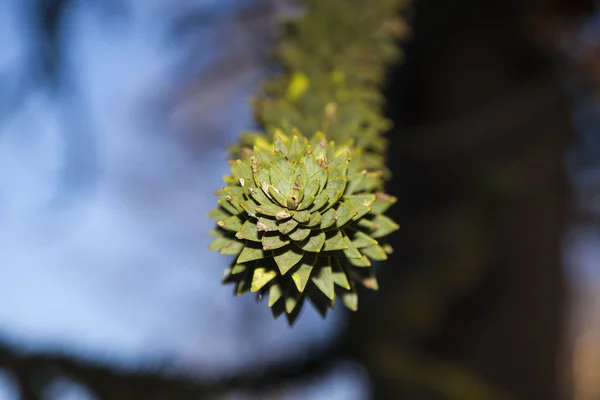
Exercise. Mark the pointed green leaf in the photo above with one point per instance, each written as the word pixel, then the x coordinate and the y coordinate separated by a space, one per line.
pixel 275 293
pixel 374 252
pixel 277 196
pixel 350 300
pixel 344 214
pixel 217 233
pixel 227 246
pixel 334 196
pixel 235 200
pixel 359 208
pixel 243 283
pixel 218 214
pixel 315 219
pixel 351 251
pixel 299 234
pixel 328 219
pixel 319 143
pixel 334 241
pixel 233 248
pixel 364 182
pixel 310 165
pixel 270 210
pixel 360 262
pixel 314 243
pixel 238 269
pixel 388 248
pixel 302 216
pixel 382 203
pixel 261 176
pixel 298 186
pixel 361 239
pixel 287 226
pixel 332 151
pixel 243 286
pixel 250 254
pixel 368 280
pixel 259 194
pixel 284 214
pixel 366 224
pixel 233 190
pixel 339 275
pixel 323 278
pixel 384 226
pixel 261 141
pixel 250 207
pixel 249 231
pixel 287 257
pixel 310 190
pixel 291 302
pixel 241 170
pixel 297 148
pixel 227 275
pixel 233 223
pixel 337 183
pixel 230 180
pixel 227 206
pixel 356 165
pixel 302 274
pixel 322 176
pixel 370 283
pixel 339 167
pixel 266 225
pixel 230 195
pixel 274 240
pixel 279 143
pixel 284 164
pixel 306 202
pixel 261 277
pixel 319 202
pixel 263 154
pixel 364 199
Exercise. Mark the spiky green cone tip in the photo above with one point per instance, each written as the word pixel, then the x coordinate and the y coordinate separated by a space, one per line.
pixel 303 219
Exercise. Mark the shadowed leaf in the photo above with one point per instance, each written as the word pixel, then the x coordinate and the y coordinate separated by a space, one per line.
pixel 287 257
pixel 323 279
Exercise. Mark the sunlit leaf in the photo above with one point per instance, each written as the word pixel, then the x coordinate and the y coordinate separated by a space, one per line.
pixel 261 277
pixel 302 274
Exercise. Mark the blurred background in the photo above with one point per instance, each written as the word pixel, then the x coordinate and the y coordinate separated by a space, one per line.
pixel 112 111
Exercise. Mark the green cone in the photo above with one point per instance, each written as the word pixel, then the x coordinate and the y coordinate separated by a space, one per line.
pixel 304 215
pixel 303 219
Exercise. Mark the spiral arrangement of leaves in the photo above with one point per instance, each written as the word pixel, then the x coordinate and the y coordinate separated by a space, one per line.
pixel 303 210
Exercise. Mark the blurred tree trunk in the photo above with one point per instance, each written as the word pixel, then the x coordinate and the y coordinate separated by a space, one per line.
pixel 476 280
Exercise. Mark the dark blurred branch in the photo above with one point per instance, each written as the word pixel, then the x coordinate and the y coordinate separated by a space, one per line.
pixel 34 372
pixel 42 66
pixel 49 15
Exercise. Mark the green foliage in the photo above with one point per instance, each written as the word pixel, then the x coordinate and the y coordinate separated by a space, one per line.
pixel 303 208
